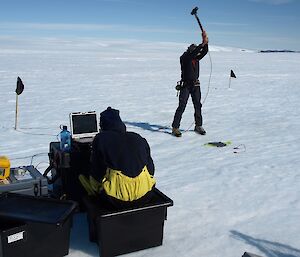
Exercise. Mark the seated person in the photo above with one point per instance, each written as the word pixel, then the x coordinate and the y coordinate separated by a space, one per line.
pixel 121 165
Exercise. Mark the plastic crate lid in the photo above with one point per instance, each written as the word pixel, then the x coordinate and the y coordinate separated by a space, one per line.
pixel 35 209
pixel 158 200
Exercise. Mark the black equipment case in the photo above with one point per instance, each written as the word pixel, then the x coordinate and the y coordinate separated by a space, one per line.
pixel 34 226
pixel 65 169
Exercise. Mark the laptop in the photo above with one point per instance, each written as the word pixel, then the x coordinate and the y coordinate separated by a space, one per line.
pixel 84 126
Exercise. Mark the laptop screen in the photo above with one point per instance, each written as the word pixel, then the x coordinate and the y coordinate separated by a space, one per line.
pixel 84 124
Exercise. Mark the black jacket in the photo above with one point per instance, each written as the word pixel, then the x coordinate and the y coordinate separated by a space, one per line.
pixel 117 149
pixel 189 62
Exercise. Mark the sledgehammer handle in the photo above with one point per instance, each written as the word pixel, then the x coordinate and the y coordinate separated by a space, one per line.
pixel 194 12
pixel 199 22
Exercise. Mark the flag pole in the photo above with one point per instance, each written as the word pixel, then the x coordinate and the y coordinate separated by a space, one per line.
pixel 232 75
pixel 19 90
pixel 16 114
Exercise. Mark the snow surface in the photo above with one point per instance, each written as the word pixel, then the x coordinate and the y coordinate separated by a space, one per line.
pixel 226 201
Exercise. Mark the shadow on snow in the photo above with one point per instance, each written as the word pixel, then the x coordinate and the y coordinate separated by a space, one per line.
pixel 149 127
pixel 270 249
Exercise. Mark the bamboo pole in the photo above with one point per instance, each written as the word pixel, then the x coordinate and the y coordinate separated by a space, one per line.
pixel 229 81
pixel 16 114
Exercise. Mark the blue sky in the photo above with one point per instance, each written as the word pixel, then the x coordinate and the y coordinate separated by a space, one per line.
pixel 254 24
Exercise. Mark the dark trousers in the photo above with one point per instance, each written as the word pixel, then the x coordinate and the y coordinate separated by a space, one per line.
pixel 185 92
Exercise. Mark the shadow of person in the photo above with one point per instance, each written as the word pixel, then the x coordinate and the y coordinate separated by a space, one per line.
pixel 150 127
pixel 270 249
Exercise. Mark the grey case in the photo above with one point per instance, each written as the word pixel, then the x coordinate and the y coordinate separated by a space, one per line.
pixel 34 184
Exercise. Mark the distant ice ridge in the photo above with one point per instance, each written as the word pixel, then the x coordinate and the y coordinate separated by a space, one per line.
pixel 11 44
pixel 214 48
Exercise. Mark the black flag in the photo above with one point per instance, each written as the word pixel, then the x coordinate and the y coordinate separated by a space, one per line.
pixel 20 86
pixel 232 75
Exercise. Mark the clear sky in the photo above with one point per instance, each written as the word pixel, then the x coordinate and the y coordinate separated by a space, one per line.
pixel 254 24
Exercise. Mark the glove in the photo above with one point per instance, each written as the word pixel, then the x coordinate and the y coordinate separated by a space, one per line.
pixel 204 38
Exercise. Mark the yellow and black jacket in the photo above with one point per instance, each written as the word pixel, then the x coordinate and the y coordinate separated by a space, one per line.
pixel 121 163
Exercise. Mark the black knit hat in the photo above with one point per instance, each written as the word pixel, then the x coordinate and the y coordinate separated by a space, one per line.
pixel 192 47
pixel 110 120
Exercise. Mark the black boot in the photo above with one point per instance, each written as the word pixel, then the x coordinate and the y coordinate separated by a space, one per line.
pixel 176 132
pixel 200 130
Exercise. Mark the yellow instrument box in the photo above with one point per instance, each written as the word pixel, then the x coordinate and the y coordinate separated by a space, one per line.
pixel 4 167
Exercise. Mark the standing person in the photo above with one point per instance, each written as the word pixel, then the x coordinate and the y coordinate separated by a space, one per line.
pixel 189 62
pixel 121 165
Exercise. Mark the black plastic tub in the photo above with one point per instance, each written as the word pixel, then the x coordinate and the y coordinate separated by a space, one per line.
pixel 40 226
pixel 13 237
pixel 127 230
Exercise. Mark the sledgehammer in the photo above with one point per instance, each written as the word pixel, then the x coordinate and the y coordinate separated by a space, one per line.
pixel 194 12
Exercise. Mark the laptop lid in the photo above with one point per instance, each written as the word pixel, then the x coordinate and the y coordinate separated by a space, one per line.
pixel 83 125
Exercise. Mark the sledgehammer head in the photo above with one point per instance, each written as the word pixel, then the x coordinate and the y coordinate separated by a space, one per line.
pixel 194 11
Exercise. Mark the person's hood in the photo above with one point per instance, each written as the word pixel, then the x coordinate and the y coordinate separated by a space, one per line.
pixel 191 48
pixel 110 120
